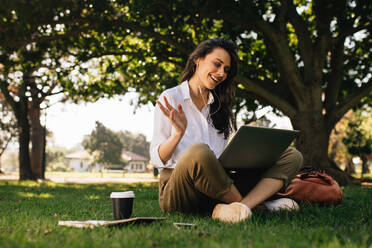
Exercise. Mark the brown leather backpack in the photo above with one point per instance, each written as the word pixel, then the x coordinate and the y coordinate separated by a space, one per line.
pixel 313 186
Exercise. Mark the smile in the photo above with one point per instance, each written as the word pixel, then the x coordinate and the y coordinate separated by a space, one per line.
pixel 215 79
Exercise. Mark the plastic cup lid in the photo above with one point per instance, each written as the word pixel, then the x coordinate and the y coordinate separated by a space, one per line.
pixel 125 194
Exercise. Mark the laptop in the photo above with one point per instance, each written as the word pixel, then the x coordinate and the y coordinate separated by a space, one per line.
pixel 256 147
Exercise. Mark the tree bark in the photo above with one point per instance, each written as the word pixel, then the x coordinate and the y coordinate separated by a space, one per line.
pixel 350 167
pixel 3 149
pixel 1 172
pixel 365 167
pixel 25 171
pixel 314 148
pixel 43 168
pixel 37 140
pixel 20 109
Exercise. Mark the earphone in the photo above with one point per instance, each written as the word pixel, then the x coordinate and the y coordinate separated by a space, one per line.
pixel 219 105
pixel 209 115
pixel 205 102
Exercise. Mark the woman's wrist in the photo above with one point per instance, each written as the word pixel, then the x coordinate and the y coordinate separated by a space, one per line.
pixel 178 135
pixel 166 149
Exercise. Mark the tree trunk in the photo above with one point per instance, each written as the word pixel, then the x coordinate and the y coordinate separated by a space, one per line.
pixel 43 168
pixel 1 172
pixel 25 172
pixel 350 167
pixel 37 140
pixel 365 166
pixel 314 148
pixel 2 150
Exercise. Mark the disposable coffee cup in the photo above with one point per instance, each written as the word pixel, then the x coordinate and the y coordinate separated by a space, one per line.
pixel 122 204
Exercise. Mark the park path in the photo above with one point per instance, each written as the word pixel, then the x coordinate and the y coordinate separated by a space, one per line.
pixel 59 179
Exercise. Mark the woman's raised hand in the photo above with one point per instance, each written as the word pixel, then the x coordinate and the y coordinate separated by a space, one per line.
pixel 176 116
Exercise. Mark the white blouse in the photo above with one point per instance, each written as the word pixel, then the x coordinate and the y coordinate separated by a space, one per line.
pixel 198 128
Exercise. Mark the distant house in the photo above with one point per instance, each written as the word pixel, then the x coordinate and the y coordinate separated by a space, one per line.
pixel 136 163
pixel 80 161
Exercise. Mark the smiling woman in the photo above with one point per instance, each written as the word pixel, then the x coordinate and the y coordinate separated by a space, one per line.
pixel 192 124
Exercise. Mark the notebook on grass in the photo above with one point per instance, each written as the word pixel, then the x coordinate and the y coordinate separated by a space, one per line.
pixel 109 223
pixel 256 147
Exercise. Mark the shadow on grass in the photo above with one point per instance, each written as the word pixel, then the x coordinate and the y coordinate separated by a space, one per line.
pixel 71 200
pixel 28 209
pixel 92 200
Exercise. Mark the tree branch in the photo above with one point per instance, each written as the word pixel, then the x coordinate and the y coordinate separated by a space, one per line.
pixel 277 44
pixel 335 77
pixel 49 92
pixel 185 48
pixel 20 43
pixel 322 45
pixel 9 99
pixel 323 42
pixel 268 95
pixel 5 145
pixel 353 99
pixel 351 30
pixel 304 39
pixel 280 17
pixel 102 54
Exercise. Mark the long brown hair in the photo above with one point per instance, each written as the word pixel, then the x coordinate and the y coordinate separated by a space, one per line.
pixel 222 117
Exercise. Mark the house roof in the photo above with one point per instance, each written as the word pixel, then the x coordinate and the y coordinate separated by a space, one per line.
pixel 83 155
pixel 131 156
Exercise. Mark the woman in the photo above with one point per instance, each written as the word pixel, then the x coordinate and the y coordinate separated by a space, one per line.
pixel 192 125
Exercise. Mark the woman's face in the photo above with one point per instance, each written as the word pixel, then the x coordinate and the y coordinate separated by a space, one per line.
pixel 213 68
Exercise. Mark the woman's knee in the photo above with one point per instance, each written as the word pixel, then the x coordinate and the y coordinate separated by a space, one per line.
pixel 296 158
pixel 198 151
pixel 197 154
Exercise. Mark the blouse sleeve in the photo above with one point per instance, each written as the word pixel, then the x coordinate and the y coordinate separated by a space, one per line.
pixel 162 129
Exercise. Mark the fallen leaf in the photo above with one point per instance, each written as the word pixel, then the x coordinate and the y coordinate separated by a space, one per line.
pixel 203 234
pixel 156 244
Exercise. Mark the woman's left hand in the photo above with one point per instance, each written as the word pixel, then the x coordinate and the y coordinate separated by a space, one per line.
pixel 176 116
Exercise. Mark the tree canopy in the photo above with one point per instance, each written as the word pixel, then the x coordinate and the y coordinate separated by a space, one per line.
pixel 358 139
pixel 36 38
pixel 136 143
pixel 308 59
pixel 105 145
pixel 8 127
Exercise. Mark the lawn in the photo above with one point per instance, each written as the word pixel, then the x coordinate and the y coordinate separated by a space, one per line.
pixel 29 213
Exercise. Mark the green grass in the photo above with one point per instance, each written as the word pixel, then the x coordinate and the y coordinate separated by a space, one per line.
pixel 29 213
pixel 99 174
pixel 88 175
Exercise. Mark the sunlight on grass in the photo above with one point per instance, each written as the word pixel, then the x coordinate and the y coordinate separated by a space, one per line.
pixel 38 195
pixel 92 197
pixel 30 211
pixel 365 176
pixel 99 175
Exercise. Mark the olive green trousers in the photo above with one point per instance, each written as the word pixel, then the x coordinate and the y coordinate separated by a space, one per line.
pixel 199 179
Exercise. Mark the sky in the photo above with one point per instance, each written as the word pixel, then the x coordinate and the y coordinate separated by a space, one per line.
pixel 69 122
